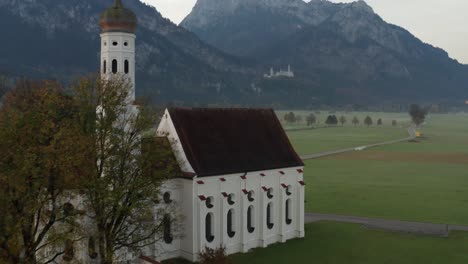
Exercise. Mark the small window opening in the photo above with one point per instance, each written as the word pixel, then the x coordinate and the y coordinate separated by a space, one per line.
pixel 167 197
pixel 288 212
pixel 167 230
pixel 69 251
pixel 115 43
pixel 209 202
pixel 126 66
pixel 231 199
pixel 269 220
pixel 104 66
pixel 250 219
pixel 231 229
pixel 270 193
pixel 114 66
pixel 68 209
pixel 251 196
pixel 209 227
pixel 92 248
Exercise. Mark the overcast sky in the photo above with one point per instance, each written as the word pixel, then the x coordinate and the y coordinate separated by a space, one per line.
pixel 442 23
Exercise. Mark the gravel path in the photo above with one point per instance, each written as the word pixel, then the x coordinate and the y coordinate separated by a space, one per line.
pixel 441 230
pixel 411 132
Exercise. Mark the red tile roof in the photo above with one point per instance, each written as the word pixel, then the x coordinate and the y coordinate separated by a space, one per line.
pixel 221 141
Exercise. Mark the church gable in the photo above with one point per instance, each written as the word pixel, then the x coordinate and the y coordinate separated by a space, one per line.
pixel 220 141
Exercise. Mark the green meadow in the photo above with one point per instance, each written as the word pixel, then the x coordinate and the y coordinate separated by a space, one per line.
pixel 337 243
pixel 424 181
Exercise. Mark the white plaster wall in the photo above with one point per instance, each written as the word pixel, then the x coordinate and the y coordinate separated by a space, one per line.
pixel 243 241
pixel 167 128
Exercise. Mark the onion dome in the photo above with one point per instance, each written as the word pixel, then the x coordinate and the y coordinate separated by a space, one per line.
pixel 118 19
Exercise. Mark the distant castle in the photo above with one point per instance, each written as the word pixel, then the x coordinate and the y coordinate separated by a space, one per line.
pixel 279 74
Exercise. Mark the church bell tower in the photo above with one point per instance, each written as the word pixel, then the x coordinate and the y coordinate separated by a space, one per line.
pixel 118 26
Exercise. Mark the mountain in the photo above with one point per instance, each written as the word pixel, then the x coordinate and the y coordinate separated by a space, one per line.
pixel 60 40
pixel 340 53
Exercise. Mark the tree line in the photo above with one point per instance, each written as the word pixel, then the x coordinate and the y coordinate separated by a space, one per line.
pixel 333 120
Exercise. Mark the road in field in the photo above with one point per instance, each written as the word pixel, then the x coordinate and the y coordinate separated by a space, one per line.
pixel 411 132
pixel 389 225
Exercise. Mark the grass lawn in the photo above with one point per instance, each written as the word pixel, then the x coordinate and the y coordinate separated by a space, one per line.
pixel 426 181
pixel 336 243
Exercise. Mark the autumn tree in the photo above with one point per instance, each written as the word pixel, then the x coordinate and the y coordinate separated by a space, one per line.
pixel 123 184
pixel 418 114
pixel 343 120
pixel 311 119
pixel 368 121
pixel 40 155
pixel 379 122
pixel 355 121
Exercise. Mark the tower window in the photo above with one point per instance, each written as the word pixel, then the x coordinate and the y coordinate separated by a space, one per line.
pixel 125 44
pixel 105 43
pixel 114 66
pixel 104 66
pixel 126 66
pixel 209 226
pixel 115 43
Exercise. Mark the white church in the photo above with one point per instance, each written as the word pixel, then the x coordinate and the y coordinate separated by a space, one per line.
pixel 242 185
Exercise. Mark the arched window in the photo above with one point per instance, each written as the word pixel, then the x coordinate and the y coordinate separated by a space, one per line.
pixel 115 43
pixel 126 66
pixel 69 251
pixel 104 66
pixel 167 229
pixel 92 248
pixel 209 202
pixel 269 220
pixel 231 225
pixel 288 212
pixel 114 66
pixel 209 227
pixel 250 219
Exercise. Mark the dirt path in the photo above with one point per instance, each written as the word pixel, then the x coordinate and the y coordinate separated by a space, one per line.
pixel 442 230
pixel 411 133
